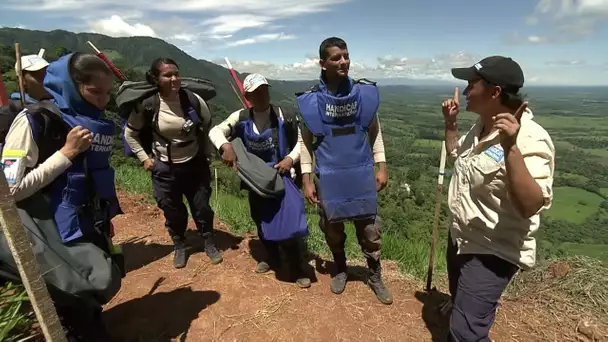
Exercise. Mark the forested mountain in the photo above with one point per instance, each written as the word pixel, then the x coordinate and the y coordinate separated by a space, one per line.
pixel 133 56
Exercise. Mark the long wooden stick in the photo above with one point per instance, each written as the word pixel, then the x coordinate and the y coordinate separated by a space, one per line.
pixel 21 249
pixel 429 278
pixel 20 74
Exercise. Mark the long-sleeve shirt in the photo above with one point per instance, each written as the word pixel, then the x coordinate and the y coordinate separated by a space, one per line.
pixel 483 217
pixel 171 119
pixel 218 134
pixel 19 157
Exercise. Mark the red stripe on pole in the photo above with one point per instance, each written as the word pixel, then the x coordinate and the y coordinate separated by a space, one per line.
pixel 3 95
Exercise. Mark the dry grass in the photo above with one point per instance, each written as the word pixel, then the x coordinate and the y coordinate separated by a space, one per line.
pixel 571 293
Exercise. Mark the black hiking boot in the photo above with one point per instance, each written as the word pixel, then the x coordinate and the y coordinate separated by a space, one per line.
pixel 212 252
pixel 179 253
pixel 375 282
pixel 338 280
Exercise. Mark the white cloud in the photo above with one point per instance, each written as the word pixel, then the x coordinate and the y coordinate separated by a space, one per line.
pixel 569 20
pixel 436 68
pixel 563 62
pixel 228 24
pixel 116 26
pixel 262 38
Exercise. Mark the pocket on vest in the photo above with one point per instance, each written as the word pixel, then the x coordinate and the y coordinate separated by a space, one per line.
pixel 69 221
pixel 348 192
pixel 104 183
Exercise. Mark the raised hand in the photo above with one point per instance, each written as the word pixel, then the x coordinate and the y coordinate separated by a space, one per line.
pixel 508 126
pixel 451 107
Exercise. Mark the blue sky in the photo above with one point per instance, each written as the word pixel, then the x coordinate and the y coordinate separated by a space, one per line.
pixel 557 42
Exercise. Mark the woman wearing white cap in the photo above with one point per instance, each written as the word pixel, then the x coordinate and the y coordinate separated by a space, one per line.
pixel 502 180
pixel 272 134
pixel 33 68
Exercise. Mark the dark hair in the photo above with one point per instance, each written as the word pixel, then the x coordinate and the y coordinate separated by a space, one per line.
pixel 330 42
pixel 154 72
pixel 84 67
pixel 510 97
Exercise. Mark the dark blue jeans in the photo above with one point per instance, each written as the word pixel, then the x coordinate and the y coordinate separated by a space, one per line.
pixel 173 182
pixel 476 283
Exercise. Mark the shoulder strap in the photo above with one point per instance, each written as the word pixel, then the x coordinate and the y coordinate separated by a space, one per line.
pixel 312 89
pixel 365 81
pixel 290 122
pixel 48 129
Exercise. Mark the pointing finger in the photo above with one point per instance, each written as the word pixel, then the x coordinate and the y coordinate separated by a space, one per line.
pixel 520 111
pixel 456 95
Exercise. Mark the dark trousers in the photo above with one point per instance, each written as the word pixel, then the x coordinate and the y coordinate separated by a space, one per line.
pixel 367 230
pixel 171 183
pixel 476 283
pixel 290 247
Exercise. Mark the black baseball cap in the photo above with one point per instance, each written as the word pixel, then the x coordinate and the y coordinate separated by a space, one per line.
pixel 498 70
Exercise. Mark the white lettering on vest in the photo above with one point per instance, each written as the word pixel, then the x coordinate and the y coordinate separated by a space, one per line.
pixel 101 143
pixel 261 146
pixel 341 111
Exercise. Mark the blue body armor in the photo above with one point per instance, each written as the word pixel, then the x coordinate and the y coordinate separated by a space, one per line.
pixel 85 195
pixel 83 198
pixel 283 218
pixel 270 145
pixel 344 160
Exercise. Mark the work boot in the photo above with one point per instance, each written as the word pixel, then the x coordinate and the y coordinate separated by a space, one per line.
pixel 262 267
pixel 338 280
pixel 266 266
pixel 179 252
pixel 214 255
pixel 299 273
pixel 375 282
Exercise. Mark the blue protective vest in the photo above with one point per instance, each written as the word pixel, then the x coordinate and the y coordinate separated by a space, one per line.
pixel 84 195
pixel 283 218
pixel 344 160
pixel 270 145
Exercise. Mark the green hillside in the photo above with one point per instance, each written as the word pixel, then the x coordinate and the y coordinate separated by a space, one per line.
pixel 134 54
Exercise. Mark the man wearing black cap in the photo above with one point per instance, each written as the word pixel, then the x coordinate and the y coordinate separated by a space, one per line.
pixel 502 180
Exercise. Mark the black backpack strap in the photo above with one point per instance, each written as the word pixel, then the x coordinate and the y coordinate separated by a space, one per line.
pixel 291 124
pixel 49 129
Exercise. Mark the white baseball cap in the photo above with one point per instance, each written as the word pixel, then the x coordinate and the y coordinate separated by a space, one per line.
pixel 253 81
pixel 32 63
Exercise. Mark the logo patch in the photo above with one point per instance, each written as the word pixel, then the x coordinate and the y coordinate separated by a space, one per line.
pixel 495 153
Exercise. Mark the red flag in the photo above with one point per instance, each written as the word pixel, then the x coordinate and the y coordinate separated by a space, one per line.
pixel 3 95
pixel 115 70
pixel 238 83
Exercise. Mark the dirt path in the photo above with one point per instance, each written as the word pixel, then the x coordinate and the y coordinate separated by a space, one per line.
pixel 230 302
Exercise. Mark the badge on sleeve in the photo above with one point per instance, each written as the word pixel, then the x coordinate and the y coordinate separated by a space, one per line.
pixel 13 165
pixel 495 153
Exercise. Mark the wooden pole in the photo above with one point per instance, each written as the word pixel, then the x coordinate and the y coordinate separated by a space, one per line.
pixel 216 188
pixel 20 74
pixel 429 278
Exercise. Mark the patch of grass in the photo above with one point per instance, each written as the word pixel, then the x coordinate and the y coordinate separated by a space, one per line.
pixel 427 143
pixel 232 210
pixel 16 317
pixel 573 204
pixel 594 251
pixel 574 288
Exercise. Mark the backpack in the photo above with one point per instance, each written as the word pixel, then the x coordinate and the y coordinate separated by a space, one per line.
pixel 143 97
pixel 45 122
pixel 291 125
